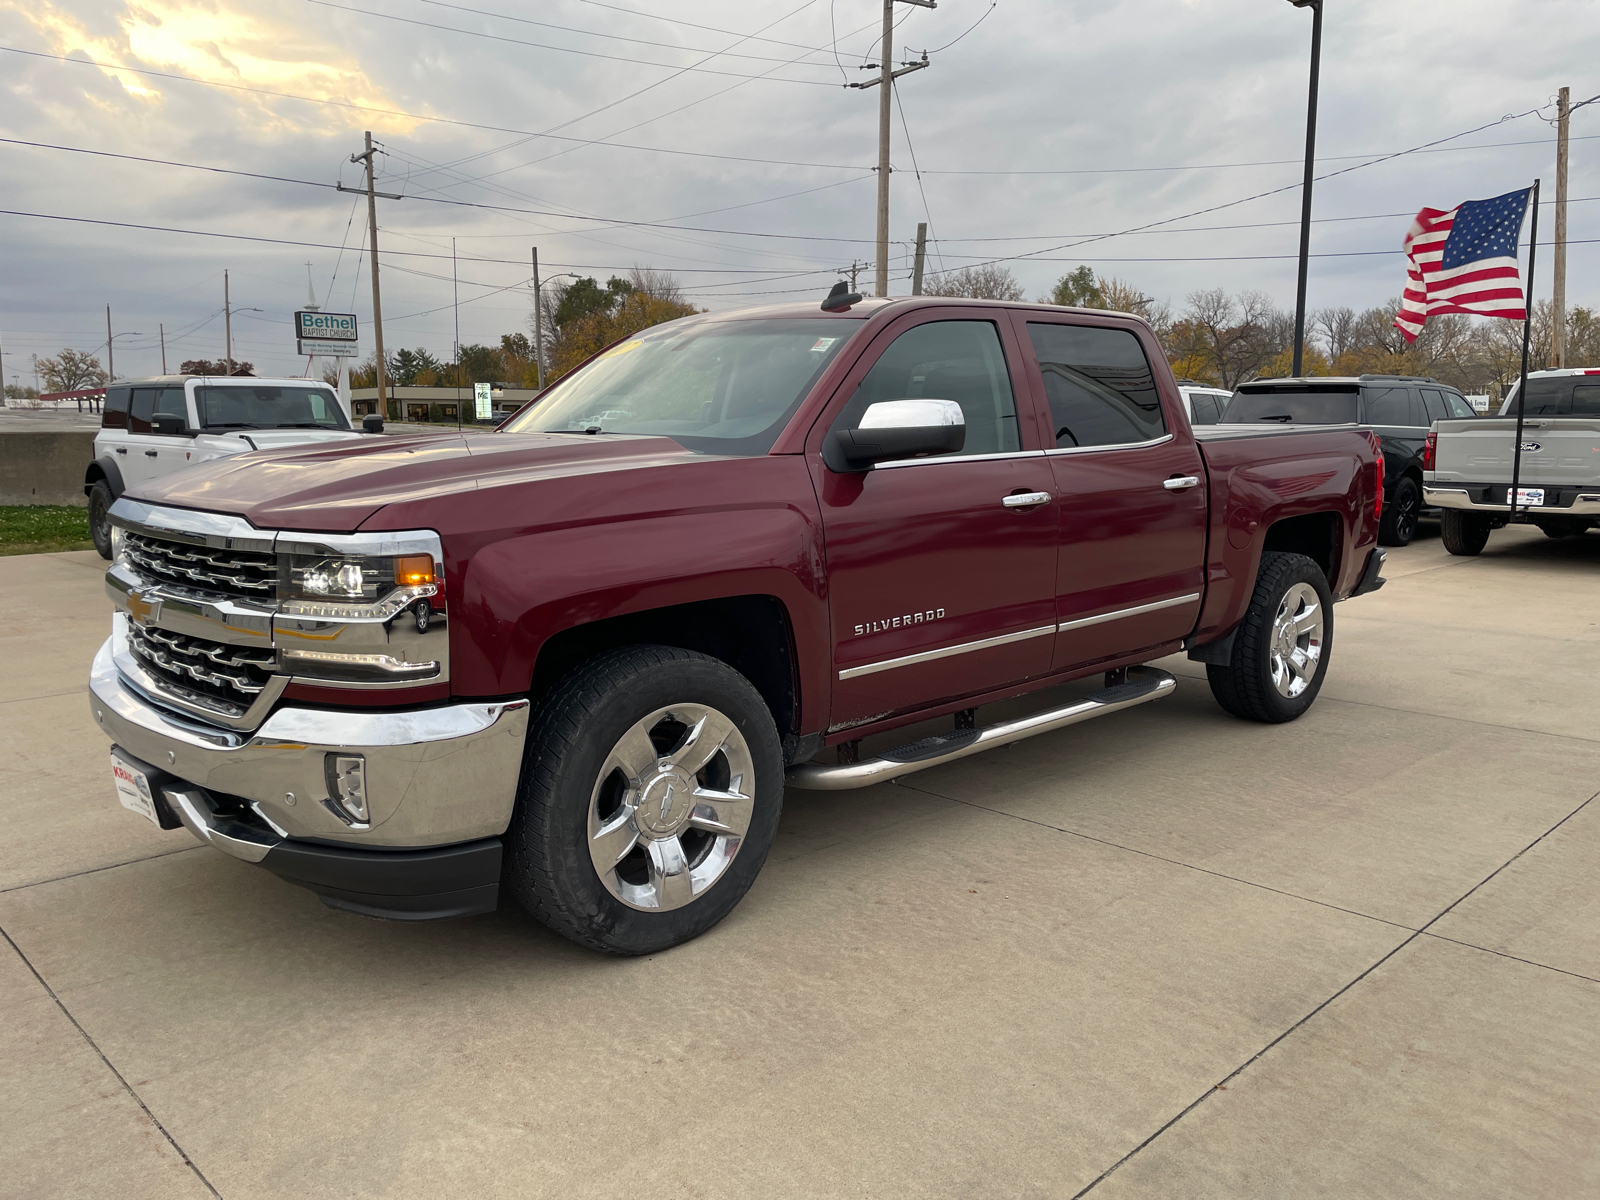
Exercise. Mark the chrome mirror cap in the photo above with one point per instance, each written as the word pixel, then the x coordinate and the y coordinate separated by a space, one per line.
pixel 912 414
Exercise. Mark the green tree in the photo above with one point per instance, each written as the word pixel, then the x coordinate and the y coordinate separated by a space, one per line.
pixel 1078 289
pixel 71 371
pixel 406 365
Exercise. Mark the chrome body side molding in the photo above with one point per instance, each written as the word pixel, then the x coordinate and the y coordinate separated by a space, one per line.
pixel 1081 622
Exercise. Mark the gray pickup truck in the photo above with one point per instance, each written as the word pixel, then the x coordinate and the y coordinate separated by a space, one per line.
pixel 1467 463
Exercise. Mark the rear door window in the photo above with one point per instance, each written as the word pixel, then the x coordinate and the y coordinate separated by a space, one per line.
pixel 1458 406
pixel 141 408
pixel 1205 408
pixel 1099 385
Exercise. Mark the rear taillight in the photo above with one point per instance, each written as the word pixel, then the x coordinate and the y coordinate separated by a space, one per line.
pixel 1430 448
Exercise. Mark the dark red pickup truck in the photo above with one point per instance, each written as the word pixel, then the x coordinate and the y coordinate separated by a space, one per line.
pixel 581 655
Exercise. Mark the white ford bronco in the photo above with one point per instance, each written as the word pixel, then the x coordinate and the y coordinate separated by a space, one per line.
pixel 153 427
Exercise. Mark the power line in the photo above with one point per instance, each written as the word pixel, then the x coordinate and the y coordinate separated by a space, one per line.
pixel 497 37
pixel 615 37
pixel 426 119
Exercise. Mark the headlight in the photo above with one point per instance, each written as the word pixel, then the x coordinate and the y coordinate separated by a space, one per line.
pixel 357 579
pixel 116 543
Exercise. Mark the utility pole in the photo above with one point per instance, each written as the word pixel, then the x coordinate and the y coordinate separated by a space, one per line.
pixel 922 254
pixel 1559 292
pixel 886 77
pixel 227 322
pixel 1305 190
pixel 377 305
pixel 163 331
pixel 111 372
pixel 538 327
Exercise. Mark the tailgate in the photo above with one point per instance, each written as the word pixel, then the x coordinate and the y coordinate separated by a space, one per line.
pixel 1555 451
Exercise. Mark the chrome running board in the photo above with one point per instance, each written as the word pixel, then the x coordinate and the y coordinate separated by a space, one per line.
pixel 1144 684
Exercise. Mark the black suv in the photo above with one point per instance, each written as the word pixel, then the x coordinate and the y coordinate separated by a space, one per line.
pixel 1400 409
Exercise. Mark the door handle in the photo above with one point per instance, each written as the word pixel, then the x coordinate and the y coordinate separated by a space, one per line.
pixel 1026 500
pixel 151 453
pixel 1179 482
pixel 122 449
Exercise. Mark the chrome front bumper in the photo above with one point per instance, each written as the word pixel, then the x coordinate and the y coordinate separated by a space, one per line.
pixel 435 776
pixel 1585 505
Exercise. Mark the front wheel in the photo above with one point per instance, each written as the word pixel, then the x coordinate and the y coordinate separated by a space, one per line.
pixel 1281 648
pixel 1398 525
pixel 100 502
pixel 1463 533
pixel 648 801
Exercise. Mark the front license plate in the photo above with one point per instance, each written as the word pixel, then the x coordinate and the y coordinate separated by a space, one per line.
pixel 1530 497
pixel 133 789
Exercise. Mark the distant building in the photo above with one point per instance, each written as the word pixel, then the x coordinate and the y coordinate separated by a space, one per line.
pixel 420 405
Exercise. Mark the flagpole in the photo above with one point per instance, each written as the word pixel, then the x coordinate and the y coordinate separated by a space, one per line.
pixel 1527 328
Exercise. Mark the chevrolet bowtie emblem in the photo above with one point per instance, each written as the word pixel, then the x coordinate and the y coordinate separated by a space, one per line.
pixel 141 610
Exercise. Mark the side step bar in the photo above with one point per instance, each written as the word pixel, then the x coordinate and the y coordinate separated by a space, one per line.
pixel 1144 684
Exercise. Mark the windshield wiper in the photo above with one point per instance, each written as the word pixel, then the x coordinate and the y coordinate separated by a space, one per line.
pixel 1286 418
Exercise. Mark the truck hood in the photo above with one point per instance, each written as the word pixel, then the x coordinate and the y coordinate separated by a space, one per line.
pixel 334 488
pixel 241 440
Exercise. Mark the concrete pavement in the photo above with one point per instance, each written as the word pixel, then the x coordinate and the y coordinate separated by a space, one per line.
pixel 1165 954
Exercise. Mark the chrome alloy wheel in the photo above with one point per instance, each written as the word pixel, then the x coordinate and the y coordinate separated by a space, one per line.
pixel 671 806
pixel 1296 640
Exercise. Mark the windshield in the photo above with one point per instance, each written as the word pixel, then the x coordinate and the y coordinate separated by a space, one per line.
pixel 1293 406
pixel 721 387
pixel 1557 396
pixel 268 406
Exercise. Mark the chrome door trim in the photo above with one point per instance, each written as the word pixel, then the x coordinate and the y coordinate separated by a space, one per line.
pixel 1026 500
pixel 945 652
pixel 955 458
pixel 1080 622
pixel 1164 438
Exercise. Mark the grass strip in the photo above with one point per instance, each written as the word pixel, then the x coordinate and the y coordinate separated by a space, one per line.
pixel 43 528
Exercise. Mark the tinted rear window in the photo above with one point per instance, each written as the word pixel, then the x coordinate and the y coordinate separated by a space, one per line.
pixel 1297 406
pixel 1561 396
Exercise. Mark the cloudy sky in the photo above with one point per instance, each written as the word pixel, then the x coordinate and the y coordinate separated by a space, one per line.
pixel 714 139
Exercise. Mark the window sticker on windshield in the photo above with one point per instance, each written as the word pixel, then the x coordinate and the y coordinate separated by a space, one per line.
pixel 622 348
pixel 821 344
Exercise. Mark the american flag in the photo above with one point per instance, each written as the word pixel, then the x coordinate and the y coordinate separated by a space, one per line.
pixel 1464 260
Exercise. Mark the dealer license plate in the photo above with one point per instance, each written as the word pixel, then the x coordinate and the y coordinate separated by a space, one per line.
pixel 1530 497
pixel 133 789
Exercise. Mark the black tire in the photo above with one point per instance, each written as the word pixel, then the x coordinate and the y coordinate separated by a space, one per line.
pixel 1562 527
pixel 1398 525
pixel 1245 687
pixel 549 868
pixel 100 502
pixel 1463 533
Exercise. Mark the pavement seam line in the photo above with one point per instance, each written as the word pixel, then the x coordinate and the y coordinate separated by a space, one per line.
pixel 1532 962
pixel 1240 1069
pixel 95 870
pixel 49 696
pixel 1089 837
pixel 93 1045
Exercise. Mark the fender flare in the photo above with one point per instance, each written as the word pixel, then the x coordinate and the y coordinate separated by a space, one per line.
pixel 107 469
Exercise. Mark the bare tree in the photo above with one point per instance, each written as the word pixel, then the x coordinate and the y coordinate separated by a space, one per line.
pixel 1337 326
pixel 990 282
pixel 1228 339
pixel 661 285
pixel 72 370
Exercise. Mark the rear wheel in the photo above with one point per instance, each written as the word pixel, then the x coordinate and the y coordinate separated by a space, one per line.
pixel 1463 533
pixel 648 801
pixel 1280 650
pixel 1398 524
pixel 100 502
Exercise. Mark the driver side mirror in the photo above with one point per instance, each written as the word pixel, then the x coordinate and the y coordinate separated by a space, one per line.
pixel 168 425
pixel 372 423
pixel 896 429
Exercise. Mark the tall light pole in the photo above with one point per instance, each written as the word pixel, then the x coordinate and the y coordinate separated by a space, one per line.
pixel 1305 191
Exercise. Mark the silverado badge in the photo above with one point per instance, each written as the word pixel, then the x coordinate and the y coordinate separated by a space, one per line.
pixel 143 611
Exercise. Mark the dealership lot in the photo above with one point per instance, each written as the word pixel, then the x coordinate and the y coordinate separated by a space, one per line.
pixel 1355 955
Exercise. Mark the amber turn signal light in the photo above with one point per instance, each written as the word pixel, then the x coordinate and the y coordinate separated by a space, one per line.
pixel 413 570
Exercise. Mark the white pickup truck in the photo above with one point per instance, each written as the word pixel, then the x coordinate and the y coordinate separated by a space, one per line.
pixel 153 427
pixel 1467 463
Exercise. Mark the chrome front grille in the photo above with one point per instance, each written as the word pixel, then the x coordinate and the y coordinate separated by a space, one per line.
pixel 237 574
pixel 216 671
